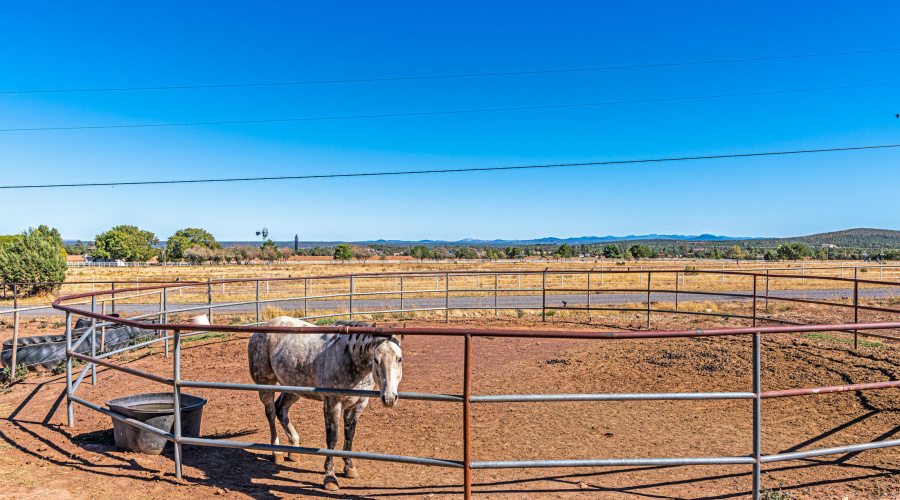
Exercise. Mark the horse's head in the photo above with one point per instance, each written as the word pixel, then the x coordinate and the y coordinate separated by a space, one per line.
pixel 388 368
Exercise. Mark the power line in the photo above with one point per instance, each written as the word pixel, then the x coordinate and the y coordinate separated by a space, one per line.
pixel 455 170
pixel 444 112
pixel 438 77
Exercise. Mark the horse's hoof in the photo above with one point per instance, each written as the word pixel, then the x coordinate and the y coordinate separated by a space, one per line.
pixel 351 473
pixel 277 457
pixel 293 457
pixel 331 483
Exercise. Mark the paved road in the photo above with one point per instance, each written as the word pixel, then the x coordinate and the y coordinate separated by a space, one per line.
pixel 503 300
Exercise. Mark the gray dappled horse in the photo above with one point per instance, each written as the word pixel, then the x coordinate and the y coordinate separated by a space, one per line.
pixel 328 361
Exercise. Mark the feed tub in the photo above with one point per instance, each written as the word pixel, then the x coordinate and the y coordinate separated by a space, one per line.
pixel 157 410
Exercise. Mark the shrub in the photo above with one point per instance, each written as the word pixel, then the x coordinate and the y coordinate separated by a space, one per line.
pixel 38 256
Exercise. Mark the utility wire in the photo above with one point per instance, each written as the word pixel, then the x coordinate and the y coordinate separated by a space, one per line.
pixel 438 77
pixel 447 112
pixel 455 170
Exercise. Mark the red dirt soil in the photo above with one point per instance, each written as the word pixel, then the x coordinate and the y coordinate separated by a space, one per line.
pixel 42 458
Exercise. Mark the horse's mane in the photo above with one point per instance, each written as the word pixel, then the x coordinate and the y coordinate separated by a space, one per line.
pixel 351 323
pixel 378 338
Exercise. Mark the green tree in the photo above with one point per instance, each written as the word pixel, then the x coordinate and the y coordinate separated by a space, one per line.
pixel 38 256
pixel 491 254
pixel 126 243
pixel 770 255
pixel 269 244
pixel 612 251
pixel 792 251
pixel 640 251
pixel 419 252
pixel 7 239
pixel 734 252
pixel 513 252
pixel 342 252
pixel 187 238
pixel 564 251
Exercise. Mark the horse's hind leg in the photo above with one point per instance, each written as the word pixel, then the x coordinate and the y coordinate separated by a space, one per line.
pixel 332 420
pixel 268 400
pixel 282 407
pixel 351 416
pixel 262 374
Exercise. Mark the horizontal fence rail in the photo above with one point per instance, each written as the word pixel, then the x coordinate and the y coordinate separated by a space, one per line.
pixel 486 286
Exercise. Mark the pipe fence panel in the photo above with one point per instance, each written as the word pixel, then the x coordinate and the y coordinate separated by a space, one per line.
pixel 458 291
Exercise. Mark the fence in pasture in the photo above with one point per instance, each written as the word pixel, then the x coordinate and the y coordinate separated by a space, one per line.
pixel 486 286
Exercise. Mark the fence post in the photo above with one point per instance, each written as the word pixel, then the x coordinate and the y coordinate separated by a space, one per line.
pixel 165 318
pixel 723 274
pixel 305 295
pixel 93 341
pixel 257 302
pixel 754 300
pixel 544 296
pixel 103 328
pixel 352 283
pixel 467 420
pixel 757 418
pixel 177 402
pixel 15 345
pixel 767 290
pixel 496 286
pixel 401 296
pixel 209 293
pixel 113 298
pixel 648 298
pixel 855 309
pixel 589 295
pixel 447 299
pixel 69 403
pixel 676 289
pixel 161 309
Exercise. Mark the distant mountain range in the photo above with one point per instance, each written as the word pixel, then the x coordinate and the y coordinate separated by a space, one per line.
pixel 850 238
pixel 500 242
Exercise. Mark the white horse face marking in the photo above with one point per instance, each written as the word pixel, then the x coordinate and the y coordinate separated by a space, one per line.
pixel 388 370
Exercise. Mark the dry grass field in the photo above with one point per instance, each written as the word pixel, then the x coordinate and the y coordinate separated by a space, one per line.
pixel 607 275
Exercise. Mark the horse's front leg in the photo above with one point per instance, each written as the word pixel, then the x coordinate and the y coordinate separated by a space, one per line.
pixel 332 421
pixel 351 416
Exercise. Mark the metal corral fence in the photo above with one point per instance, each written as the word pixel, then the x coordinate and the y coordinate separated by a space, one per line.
pixel 754 295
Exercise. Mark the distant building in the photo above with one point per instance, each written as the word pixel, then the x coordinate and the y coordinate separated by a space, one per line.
pixel 828 245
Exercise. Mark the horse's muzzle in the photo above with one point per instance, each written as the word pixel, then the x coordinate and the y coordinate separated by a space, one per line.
pixel 389 400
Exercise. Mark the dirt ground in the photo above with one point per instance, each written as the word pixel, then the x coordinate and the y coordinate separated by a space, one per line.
pixel 40 457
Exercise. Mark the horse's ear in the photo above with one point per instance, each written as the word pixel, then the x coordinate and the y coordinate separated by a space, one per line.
pixel 398 338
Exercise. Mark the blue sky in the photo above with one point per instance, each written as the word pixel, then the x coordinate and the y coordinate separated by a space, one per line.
pixel 94 44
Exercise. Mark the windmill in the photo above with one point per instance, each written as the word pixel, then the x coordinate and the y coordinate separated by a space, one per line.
pixel 264 233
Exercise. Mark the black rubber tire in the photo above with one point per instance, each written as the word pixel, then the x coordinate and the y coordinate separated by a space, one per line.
pixel 45 352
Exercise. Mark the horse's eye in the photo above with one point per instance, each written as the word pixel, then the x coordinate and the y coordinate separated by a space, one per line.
pixel 400 360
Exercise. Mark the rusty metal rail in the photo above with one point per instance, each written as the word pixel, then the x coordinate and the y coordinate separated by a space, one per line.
pixel 754 456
